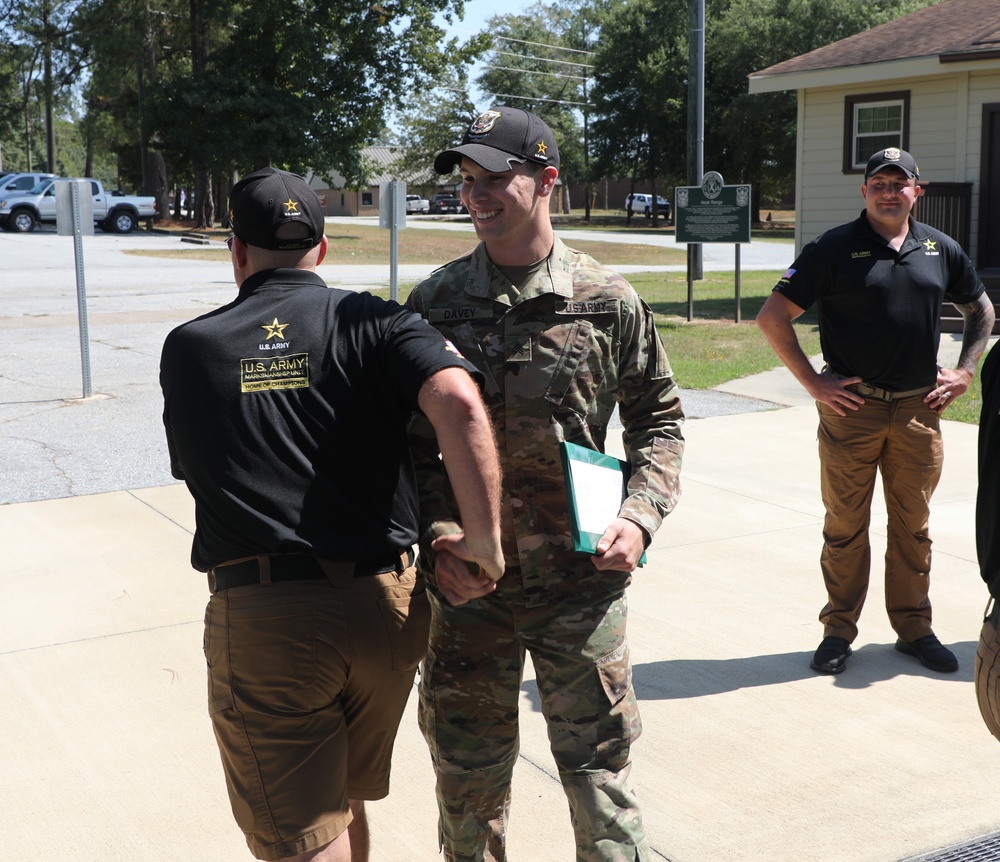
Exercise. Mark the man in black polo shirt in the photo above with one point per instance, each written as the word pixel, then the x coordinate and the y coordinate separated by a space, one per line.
pixel 987 670
pixel 878 284
pixel 286 414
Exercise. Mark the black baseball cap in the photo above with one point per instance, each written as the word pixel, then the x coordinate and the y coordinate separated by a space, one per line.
pixel 893 157
pixel 277 210
pixel 500 137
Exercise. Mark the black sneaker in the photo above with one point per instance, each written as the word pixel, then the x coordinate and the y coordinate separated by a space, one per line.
pixel 831 655
pixel 931 652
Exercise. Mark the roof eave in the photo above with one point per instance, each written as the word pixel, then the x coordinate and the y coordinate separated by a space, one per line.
pixel 870 73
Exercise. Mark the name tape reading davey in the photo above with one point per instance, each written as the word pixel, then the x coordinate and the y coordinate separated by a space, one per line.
pixel 281 372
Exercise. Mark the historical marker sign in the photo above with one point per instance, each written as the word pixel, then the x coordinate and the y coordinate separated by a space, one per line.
pixel 712 212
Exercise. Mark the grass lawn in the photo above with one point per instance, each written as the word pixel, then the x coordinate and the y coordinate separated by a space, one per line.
pixel 704 352
pixel 366 244
pixel 712 348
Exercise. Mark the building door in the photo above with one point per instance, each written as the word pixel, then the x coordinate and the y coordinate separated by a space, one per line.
pixel 989 193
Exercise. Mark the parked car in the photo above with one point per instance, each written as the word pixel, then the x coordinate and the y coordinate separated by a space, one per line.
pixel 11 182
pixel 640 203
pixel 114 212
pixel 445 202
pixel 417 204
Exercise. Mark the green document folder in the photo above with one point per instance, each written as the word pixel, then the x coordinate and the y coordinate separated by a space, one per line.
pixel 596 486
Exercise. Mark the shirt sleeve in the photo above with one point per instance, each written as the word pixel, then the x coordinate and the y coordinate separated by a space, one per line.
pixel 415 351
pixel 802 282
pixel 965 285
pixel 437 503
pixel 652 416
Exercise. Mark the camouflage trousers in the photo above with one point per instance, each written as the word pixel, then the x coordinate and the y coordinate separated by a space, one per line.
pixel 469 691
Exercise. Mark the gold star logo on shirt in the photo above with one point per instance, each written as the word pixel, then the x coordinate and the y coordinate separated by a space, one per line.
pixel 291 206
pixel 274 330
pixel 930 245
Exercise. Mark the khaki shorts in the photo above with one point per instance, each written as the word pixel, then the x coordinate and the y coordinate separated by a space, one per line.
pixel 307 682
pixel 987 674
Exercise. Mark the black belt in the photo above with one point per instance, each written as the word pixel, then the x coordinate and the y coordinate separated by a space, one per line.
pixel 295 567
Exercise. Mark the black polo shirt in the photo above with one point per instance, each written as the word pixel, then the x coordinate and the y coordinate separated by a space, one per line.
pixel 880 309
pixel 988 497
pixel 286 413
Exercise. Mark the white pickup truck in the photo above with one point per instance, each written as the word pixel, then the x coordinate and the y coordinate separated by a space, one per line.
pixel 113 212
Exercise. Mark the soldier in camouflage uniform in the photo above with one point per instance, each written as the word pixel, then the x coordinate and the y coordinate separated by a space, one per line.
pixel 561 341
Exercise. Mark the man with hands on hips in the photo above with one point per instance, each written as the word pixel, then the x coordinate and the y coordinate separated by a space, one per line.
pixel 878 284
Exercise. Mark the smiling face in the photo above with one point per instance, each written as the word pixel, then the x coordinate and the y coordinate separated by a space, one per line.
pixel 510 210
pixel 889 197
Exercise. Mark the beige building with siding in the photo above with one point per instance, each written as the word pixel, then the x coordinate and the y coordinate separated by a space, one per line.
pixel 928 82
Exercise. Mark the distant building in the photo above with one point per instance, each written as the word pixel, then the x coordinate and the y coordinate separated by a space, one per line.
pixel 339 200
pixel 929 83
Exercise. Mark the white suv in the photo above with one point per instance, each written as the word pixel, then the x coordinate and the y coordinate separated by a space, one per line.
pixel 644 204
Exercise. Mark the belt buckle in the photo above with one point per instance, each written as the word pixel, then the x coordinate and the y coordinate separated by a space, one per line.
pixel 875 392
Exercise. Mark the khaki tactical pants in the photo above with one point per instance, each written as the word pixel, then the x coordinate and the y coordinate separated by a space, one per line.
pixel 902 441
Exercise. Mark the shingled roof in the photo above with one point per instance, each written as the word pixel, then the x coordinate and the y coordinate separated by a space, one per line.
pixel 952 30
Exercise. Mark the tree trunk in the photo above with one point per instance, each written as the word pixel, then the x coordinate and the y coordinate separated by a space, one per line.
pixel 203 204
pixel 156 174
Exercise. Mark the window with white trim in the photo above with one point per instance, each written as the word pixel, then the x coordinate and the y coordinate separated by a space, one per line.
pixel 873 122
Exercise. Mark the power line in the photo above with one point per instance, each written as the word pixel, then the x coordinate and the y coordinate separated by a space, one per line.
pixel 545 45
pixel 535 72
pixel 538 99
pixel 542 59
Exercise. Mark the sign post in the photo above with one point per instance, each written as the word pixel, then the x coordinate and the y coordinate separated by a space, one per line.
pixel 392 215
pixel 75 217
pixel 712 212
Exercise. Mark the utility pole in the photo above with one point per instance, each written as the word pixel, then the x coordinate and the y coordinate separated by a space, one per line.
pixel 50 118
pixel 696 116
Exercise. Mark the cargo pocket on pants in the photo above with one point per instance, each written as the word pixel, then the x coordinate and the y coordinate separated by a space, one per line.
pixel 615 670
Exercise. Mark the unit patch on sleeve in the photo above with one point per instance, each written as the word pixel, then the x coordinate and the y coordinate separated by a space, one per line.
pixel 279 372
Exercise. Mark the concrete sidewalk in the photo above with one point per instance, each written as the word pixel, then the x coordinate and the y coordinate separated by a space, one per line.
pixel 106 751
pixel 747 754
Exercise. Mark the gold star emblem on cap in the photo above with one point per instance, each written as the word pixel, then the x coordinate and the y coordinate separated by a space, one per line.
pixel 542 149
pixel 291 206
pixel 274 330
pixel 930 245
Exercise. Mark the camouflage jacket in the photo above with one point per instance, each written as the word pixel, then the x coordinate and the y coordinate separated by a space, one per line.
pixel 557 357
